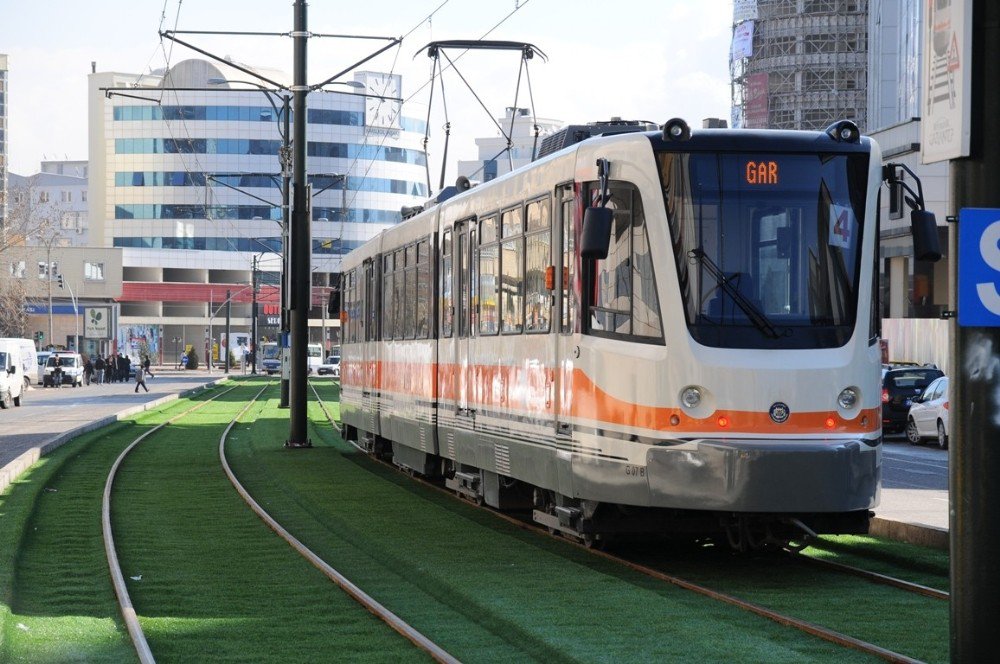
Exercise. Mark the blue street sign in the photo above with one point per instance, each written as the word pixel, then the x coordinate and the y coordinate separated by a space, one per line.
pixel 979 267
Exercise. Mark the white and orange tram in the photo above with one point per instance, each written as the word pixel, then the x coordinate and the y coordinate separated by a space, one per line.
pixel 666 331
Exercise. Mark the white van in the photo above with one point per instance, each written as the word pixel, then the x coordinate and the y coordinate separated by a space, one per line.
pixel 314 358
pixel 25 354
pixel 70 369
pixel 43 357
pixel 12 386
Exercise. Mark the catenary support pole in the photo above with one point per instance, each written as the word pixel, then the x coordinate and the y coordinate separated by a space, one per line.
pixel 286 220
pixel 975 386
pixel 301 245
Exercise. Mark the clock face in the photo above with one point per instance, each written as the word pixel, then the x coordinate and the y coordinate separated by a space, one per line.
pixel 379 111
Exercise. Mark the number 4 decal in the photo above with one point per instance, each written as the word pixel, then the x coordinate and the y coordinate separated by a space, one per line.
pixel 841 226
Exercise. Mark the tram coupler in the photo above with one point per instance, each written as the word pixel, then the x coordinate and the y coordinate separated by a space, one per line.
pixel 465 484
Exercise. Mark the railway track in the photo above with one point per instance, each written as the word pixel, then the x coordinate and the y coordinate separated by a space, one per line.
pixel 804 626
pixel 438 653
pixel 134 627
pixel 136 634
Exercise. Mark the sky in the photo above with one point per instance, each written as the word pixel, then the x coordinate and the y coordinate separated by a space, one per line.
pixel 637 59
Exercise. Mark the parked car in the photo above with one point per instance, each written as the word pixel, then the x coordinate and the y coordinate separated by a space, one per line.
pixel 899 387
pixel 330 366
pixel 928 416
pixel 70 368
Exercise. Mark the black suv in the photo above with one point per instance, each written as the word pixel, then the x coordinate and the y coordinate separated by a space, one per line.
pixel 899 387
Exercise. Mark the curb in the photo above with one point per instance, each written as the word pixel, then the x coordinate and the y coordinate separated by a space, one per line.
pixel 13 470
pixel 910 533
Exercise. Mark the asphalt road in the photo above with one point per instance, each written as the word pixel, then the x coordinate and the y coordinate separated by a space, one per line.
pixel 914 483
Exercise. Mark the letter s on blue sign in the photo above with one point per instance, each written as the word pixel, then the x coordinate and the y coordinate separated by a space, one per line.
pixel 989 248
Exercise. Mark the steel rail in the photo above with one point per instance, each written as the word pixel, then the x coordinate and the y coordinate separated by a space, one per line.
pixel 874 577
pixel 356 593
pixel 812 629
pixel 117 578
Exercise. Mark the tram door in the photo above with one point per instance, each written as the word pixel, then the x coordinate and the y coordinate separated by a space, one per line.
pixel 566 305
pixel 465 239
pixel 369 359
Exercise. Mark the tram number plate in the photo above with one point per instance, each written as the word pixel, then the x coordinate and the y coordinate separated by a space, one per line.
pixel 636 471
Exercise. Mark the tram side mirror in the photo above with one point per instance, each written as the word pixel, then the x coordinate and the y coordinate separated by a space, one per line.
pixel 596 232
pixel 926 246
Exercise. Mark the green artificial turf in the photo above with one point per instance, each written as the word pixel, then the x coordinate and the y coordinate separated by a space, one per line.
pixel 214 584
pixel 56 598
pixel 484 590
pixel 211 581
pixel 916 564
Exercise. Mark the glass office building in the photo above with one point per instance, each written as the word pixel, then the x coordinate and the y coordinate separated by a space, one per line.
pixel 186 177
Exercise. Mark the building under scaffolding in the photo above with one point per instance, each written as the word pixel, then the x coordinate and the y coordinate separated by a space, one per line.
pixel 798 64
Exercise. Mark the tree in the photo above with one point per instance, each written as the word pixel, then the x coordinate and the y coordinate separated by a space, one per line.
pixel 30 222
pixel 13 313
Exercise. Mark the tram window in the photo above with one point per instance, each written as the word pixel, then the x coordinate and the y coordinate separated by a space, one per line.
pixel 398 296
pixel 569 304
pixel 537 258
pixel 447 302
pixel 512 222
pixel 488 274
pixel 410 290
pixel 623 300
pixel 488 230
pixel 388 325
pixel 512 285
pixel 423 290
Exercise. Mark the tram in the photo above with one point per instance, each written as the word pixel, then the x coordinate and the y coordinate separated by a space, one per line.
pixel 650 332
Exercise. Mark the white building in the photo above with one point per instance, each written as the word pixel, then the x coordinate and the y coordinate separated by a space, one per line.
pixel 61 197
pixel 3 142
pixel 188 184
pixel 494 159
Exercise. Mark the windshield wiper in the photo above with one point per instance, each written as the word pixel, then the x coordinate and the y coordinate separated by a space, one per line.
pixel 756 316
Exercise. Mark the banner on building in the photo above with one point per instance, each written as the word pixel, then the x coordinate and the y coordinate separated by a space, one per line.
pixel 744 10
pixel 742 41
pixel 755 102
pixel 138 340
pixel 97 322
pixel 945 125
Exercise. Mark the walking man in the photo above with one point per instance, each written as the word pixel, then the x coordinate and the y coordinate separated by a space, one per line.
pixel 99 369
pixel 140 378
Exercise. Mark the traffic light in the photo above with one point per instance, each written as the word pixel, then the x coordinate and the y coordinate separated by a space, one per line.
pixel 60 279
pixel 39 336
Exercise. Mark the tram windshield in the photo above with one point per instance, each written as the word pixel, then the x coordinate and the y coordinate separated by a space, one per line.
pixel 767 246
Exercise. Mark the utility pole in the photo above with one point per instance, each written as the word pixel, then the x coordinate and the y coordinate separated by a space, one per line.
pixel 286 220
pixel 301 245
pixel 974 462
pixel 253 313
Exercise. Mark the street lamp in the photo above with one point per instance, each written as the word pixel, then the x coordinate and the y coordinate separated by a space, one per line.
pixel 76 313
pixel 285 160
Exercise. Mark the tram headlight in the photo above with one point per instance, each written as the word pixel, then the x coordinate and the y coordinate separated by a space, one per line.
pixel 691 397
pixel 848 398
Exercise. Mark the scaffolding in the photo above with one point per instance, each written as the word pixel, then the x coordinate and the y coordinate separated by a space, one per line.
pixel 805 67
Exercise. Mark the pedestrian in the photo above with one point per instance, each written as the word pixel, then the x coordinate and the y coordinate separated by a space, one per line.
pixel 88 370
pixel 140 379
pixel 184 361
pixel 145 367
pixel 99 369
pixel 112 368
pixel 127 374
